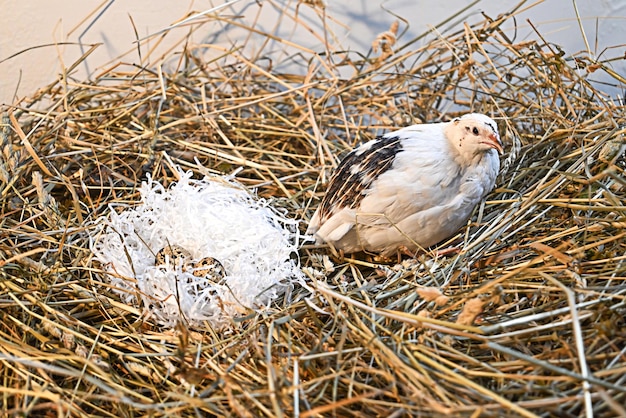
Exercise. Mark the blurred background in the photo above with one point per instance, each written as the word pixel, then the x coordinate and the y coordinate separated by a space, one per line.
pixel 39 39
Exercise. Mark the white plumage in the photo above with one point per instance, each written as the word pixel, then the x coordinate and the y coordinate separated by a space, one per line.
pixel 411 188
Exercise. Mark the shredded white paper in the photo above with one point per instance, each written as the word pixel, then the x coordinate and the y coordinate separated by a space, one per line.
pixel 213 217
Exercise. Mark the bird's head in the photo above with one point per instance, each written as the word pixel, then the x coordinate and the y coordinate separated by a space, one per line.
pixel 474 133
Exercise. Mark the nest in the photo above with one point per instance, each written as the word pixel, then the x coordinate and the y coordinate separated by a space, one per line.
pixel 527 319
pixel 154 251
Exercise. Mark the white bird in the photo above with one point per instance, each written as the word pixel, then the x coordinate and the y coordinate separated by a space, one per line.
pixel 409 189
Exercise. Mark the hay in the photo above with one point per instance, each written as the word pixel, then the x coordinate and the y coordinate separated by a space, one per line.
pixel 526 320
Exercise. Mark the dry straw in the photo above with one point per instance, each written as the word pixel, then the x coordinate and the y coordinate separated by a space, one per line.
pixel 527 319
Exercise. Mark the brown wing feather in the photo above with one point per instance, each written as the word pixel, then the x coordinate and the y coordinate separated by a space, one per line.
pixel 356 172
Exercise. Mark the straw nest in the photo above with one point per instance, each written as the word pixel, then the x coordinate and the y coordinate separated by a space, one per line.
pixel 527 319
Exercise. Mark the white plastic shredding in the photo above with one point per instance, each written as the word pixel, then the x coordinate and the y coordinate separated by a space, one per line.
pixel 214 216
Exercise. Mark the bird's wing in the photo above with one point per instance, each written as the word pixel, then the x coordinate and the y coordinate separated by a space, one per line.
pixel 424 175
pixel 354 175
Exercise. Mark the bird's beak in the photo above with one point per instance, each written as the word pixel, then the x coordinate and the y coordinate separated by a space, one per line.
pixel 494 142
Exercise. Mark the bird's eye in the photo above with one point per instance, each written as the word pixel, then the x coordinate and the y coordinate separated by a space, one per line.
pixel 475 131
